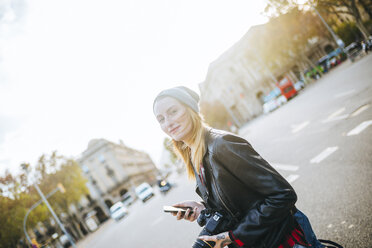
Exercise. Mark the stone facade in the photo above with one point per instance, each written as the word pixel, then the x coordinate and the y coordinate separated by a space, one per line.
pixel 238 78
pixel 238 81
pixel 112 170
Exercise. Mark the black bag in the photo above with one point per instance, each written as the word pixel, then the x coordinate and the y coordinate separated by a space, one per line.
pixel 329 243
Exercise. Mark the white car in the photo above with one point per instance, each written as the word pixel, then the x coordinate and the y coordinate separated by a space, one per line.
pixel 299 85
pixel 270 106
pixel 144 191
pixel 118 211
pixel 274 104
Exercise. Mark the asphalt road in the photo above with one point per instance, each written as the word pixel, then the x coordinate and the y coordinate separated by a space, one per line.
pixel 321 141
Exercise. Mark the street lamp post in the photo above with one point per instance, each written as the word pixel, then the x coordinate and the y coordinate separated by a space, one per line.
pixel 32 208
pixel 44 199
pixel 338 40
pixel 54 215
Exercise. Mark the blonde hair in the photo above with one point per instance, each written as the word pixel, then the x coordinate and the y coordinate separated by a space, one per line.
pixel 192 155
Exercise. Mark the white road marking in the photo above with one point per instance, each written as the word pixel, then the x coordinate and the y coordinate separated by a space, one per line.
pixel 285 167
pixel 158 220
pixel 324 154
pixel 292 178
pixel 335 116
pixel 344 94
pixel 296 128
pixel 360 110
pixel 359 128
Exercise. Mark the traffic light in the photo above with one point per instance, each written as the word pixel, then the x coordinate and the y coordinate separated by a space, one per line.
pixel 61 188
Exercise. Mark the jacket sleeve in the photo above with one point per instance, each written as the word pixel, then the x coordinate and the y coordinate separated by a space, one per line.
pixel 246 165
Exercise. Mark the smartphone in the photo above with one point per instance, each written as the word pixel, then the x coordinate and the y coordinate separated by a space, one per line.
pixel 171 209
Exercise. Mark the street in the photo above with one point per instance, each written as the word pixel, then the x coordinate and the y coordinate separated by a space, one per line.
pixel 320 141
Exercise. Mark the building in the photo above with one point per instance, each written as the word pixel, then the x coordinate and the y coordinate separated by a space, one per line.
pixel 238 81
pixel 239 77
pixel 113 170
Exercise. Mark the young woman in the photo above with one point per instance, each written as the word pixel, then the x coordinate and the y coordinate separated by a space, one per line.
pixel 231 177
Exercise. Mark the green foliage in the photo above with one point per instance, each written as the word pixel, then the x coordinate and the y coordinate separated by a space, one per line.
pixel 286 38
pixel 67 172
pixel 348 32
pixel 9 214
pixel 328 8
pixel 17 195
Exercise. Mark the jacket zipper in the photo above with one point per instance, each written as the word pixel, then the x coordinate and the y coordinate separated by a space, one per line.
pixel 215 186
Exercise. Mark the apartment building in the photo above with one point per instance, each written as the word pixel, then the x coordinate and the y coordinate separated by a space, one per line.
pixel 113 170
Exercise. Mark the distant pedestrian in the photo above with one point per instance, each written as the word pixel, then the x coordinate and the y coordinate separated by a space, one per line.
pixel 34 243
pixel 368 45
pixel 364 47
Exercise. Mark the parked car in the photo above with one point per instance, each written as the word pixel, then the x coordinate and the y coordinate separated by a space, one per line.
pixel 330 60
pixel 144 191
pixel 118 211
pixel 280 100
pixel 299 85
pixel 65 241
pixel 273 100
pixel 127 199
pixel 354 50
pixel 270 106
pixel 164 186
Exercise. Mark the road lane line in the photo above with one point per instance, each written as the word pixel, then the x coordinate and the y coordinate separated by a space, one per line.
pixel 158 220
pixel 344 94
pixel 297 128
pixel 359 128
pixel 360 110
pixel 336 113
pixel 324 154
pixel 292 178
pixel 335 116
pixel 285 167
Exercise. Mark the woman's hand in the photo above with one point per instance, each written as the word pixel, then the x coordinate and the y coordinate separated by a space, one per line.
pixel 221 239
pixel 196 208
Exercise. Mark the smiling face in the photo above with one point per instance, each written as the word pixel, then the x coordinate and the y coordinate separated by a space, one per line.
pixel 174 118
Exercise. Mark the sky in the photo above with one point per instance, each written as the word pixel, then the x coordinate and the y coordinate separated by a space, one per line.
pixel 76 70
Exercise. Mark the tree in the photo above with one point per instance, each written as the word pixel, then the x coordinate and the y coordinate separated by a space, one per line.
pixel 58 169
pixel 349 7
pixel 17 194
pixel 348 32
pixel 286 39
pixel 15 199
pixel 367 6
pixel 337 7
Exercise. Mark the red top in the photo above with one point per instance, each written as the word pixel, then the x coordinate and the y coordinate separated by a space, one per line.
pixel 295 237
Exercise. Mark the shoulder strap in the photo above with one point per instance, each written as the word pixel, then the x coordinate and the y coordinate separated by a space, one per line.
pixel 203 190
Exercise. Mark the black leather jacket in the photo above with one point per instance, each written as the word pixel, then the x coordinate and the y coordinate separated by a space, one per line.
pixel 250 189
